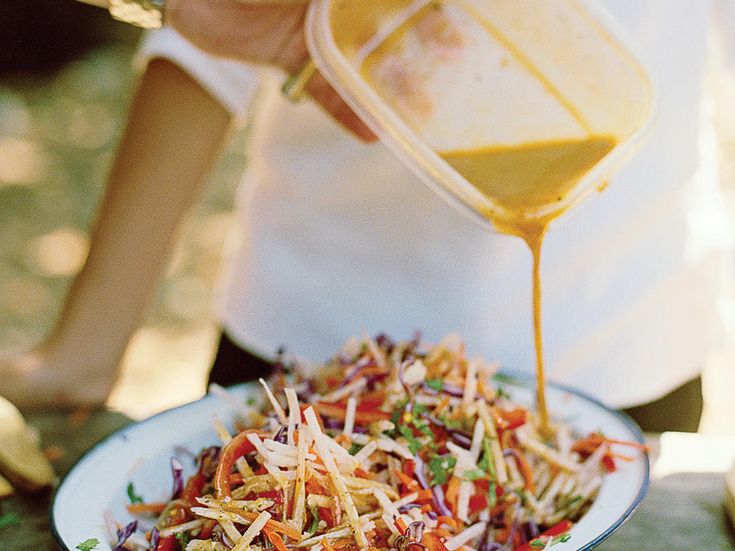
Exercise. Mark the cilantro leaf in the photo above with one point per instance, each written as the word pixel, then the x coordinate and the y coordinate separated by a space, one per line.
pixel 423 427
pixel 441 467
pixel 452 424
pixel 183 538
pixel 314 521
pixel 8 519
pixel 435 384
pixel 539 543
pixel 413 444
pixel 398 410
pixel 134 498
pixel 502 393
pixel 354 448
pixel 88 545
pixel 503 378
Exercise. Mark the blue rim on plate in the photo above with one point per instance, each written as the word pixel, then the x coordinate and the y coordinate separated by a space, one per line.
pixel 519 379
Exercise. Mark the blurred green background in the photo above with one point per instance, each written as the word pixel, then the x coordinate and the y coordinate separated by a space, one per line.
pixel 66 81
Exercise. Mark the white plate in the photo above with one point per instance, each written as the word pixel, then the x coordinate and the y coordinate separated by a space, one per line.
pixel 140 453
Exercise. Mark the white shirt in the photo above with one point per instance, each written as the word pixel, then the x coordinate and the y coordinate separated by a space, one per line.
pixel 338 237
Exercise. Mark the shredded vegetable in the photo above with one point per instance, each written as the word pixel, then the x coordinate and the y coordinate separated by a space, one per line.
pixel 399 446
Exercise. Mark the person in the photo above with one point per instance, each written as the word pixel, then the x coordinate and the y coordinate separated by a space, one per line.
pixel 338 236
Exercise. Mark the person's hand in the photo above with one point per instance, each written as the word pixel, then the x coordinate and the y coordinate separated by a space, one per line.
pixel 271 34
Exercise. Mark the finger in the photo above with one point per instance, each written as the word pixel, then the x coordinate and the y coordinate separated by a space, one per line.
pixel 295 57
pixel 326 96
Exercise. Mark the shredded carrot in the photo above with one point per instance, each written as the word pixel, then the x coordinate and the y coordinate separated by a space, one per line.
pixel 442 532
pixel 327 545
pixel 361 473
pixel 623 457
pixel 275 539
pixel 526 471
pixel 452 493
pixel 637 445
pixel 146 508
pixel 424 496
pixel 409 482
pixel 401 525
pixel 449 521
pixel 441 406
pixel 273 525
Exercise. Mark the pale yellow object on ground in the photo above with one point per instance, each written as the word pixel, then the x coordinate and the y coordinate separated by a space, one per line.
pixel 6 488
pixel 21 459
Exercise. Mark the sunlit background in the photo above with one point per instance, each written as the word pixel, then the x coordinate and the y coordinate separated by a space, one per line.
pixel 64 93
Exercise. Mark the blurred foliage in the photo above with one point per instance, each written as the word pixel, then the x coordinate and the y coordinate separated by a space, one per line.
pixel 62 109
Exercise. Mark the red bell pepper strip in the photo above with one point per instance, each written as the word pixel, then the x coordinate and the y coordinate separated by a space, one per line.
pixel 234 450
pixel 556 530
pixel 169 543
pixel 193 488
pixel 608 463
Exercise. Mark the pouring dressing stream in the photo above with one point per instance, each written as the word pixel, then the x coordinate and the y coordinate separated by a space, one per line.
pixel 520 179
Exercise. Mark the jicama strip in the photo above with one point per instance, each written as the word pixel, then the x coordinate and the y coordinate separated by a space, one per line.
pixel 299 496
pixel 552 456
pixel 230 530
pixel 350 416
pixel 336 477
pixel 170 531
pixel 477 435
pixel 294 414
pixel 279 476
pixel 276 406
pixel 388 445
pixel 253 530
pixel 366 525
pixel 487 420
pixel 466 489
pixel 366 452
pixel 351 388
pixel 317 500
pixel 470 384
pixel 202 545
pixel 547 499
pixel 466 535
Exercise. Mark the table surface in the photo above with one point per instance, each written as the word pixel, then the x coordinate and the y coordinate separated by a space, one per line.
pixel 682 512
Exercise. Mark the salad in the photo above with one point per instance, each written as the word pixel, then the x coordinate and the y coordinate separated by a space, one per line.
pixel 402 446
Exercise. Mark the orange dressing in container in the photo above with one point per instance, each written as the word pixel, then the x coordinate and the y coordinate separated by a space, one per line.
pixel 522 179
